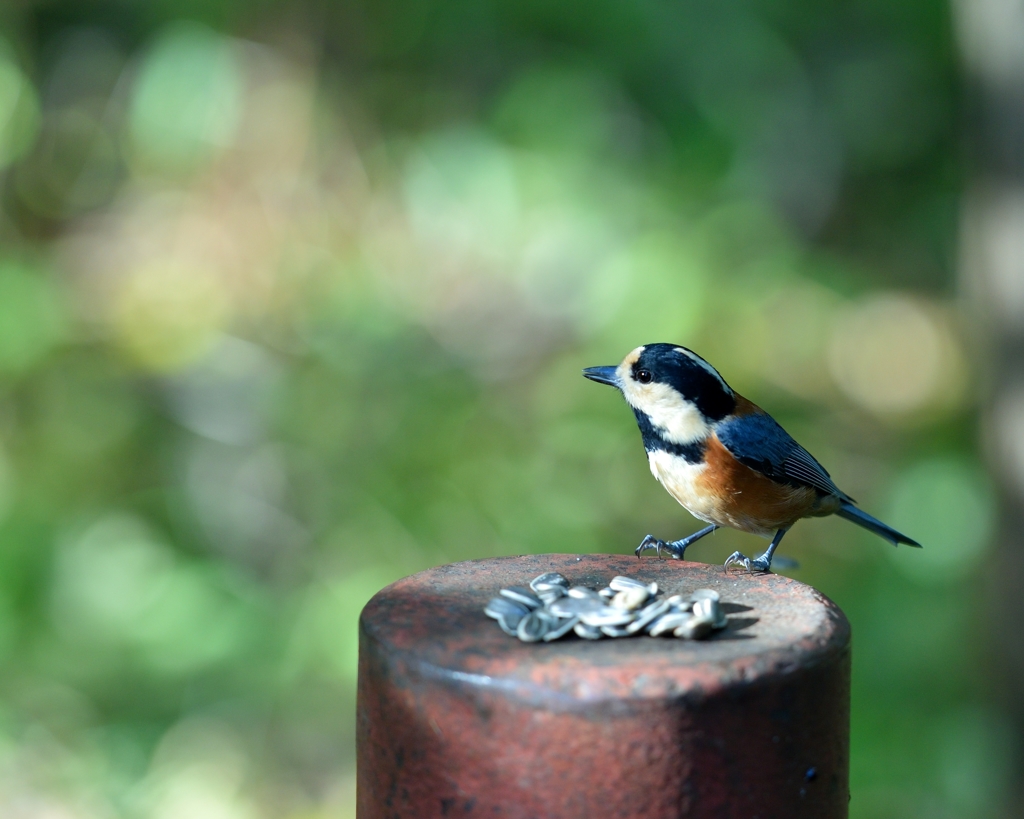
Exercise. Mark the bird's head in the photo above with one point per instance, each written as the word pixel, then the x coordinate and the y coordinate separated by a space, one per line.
pixel 673 388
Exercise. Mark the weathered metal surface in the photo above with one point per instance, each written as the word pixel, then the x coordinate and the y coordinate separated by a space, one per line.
pixel 457 719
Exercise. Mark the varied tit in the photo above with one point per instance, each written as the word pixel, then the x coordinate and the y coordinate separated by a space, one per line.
pixel 722 457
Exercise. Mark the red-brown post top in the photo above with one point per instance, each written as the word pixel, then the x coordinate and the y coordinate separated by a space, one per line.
pixel 433 625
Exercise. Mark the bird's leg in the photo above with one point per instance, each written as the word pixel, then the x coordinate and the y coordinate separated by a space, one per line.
pixel 762 563
pixel 673 547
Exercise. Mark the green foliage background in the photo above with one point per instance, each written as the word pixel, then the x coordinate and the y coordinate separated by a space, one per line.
pixel 293 302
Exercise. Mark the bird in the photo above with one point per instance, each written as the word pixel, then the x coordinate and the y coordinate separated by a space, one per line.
pixel 722 457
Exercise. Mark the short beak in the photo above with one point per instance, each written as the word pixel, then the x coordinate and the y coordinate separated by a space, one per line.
pixel 602 375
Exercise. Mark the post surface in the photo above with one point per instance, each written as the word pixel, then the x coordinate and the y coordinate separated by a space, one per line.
pixel 457 719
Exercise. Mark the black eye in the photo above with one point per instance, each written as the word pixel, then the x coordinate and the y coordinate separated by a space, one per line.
pixel 643 376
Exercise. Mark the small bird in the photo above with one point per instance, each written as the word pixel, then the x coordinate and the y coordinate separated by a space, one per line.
pixel 726 460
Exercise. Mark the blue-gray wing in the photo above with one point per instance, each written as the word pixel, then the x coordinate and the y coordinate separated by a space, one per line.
pixel 758 441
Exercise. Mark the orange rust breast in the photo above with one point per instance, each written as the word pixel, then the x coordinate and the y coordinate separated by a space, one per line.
pixel 747 500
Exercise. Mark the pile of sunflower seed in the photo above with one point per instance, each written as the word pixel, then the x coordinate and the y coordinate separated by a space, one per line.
pixel 552 608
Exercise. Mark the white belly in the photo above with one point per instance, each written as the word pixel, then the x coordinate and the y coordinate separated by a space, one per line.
pixel 681 480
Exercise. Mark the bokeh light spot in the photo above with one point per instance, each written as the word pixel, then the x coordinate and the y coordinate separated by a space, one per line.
pixel 558 109
pixel 74 168
pixel 891 355
pixel 108 577
pixel 977 749
pixel 7 483
pixel 31 318
pixel 19 109
pixel 461 194
pixel 1007 427
pixel 327 632
pixel 187 98
pixel 664 292
pixel 169 314
pixel 948 506
pixel 197 772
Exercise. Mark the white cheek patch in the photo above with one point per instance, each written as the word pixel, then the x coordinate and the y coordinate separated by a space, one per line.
pixel 678 420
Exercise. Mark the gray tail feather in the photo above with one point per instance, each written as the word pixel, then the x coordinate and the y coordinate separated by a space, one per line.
pixel 851 512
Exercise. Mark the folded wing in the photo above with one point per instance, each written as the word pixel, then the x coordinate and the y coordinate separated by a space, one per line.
pixel 758 441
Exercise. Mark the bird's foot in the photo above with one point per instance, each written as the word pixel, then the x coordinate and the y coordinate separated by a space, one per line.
pixel 758 564
pixel 672 547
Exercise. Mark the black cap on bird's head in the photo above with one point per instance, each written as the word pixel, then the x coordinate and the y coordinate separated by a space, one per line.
pixel 660 378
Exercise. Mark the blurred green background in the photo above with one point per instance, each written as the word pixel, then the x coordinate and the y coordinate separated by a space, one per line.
pixel 293 302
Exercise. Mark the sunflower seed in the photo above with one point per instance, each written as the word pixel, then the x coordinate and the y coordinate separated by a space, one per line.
pixel 583 592
pixel 564 627
pixel 587 632
pixel 522 595
pixel 647 615
pixel 572 606
pixel 621 583
pixel 550 594
pixel 509 625
pixel 705 594
pixel 680 603
pixel 711 609
pixel 502 606
pixel 549 579
pixel 696 628
pixel 630 599
pixel 533 627
pixel 668 622
pixel 606 616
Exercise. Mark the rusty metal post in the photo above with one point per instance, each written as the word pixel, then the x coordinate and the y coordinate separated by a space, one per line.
pixel 456 719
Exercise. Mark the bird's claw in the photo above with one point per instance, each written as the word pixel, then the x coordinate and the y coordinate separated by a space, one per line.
pixel 651 542
pixel 758 564
pixel 739 559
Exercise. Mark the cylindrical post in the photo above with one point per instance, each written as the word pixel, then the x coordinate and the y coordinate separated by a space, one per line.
pixel 457 719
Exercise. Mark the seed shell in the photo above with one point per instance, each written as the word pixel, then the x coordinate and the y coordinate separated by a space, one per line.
pixel 549 579
pixel 532 627
pixel 561 630
pixel 550 594
pixel 621 583
pixel 668 622
pixel 711 609
pixel 501 606
pixel 696 628
pixel 606 616
pixel 509 625
pixel 587 632
pixel 573 606
pixel 631 599
pixel 522 595
pixel 647 615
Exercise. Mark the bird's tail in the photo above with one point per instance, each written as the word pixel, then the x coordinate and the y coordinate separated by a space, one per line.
pixel 851 512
